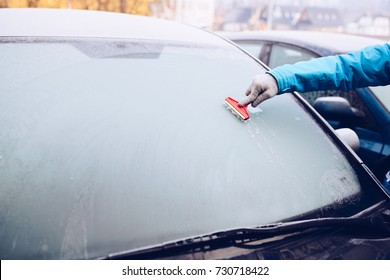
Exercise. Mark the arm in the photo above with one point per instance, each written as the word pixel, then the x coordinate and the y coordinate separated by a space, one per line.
pixel 367 67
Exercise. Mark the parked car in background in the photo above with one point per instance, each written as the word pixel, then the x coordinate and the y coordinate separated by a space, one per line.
pixel 365 110
pixel 115 144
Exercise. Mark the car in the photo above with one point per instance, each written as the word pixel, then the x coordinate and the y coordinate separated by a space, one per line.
pixel 365 110
pixel 116 144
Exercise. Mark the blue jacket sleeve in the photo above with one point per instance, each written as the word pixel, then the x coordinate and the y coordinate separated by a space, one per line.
pixel 367 67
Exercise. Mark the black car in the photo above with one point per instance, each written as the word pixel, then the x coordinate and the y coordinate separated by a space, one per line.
pixel 115 144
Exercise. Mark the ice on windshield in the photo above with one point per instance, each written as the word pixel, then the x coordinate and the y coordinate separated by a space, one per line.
pixel 118 153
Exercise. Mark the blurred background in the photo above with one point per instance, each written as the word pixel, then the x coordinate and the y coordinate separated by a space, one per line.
pixel 369 18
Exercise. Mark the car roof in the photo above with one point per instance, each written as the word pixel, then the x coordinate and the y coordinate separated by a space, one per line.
pixel 97 24
pixel 323 43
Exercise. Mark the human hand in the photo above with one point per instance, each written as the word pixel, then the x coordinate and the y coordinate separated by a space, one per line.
pixel 263 87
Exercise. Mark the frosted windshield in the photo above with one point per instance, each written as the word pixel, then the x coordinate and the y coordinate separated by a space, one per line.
pixel 132 146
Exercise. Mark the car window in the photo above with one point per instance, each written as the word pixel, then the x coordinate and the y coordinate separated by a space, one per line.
pixel 254 48
pixel 366 120
pixel 286 54
pixel 363 122
pixel 112 145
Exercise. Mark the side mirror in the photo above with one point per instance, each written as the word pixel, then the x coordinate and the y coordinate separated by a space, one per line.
pixel 337 108
pixel 349 137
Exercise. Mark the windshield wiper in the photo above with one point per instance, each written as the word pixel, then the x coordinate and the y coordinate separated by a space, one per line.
pixel 377 225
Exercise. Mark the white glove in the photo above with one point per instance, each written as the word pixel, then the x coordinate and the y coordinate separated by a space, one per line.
pixel 263 86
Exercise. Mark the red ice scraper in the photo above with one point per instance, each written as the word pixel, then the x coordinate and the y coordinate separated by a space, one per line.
pixel 240 111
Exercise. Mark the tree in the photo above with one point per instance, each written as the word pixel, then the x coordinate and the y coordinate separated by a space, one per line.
pixel 138 7
pixel 3 3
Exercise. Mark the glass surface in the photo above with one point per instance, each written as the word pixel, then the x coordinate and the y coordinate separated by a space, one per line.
pixel 108 146
pixel 383 94
pixel 284 54
pixel 253 48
